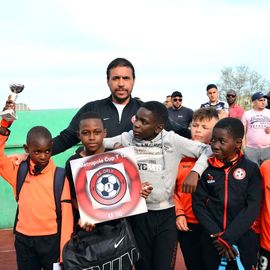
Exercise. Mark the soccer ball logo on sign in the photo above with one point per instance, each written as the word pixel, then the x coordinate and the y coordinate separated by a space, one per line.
pixel 108 186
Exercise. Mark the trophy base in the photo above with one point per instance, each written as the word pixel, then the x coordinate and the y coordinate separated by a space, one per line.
pixel 8 115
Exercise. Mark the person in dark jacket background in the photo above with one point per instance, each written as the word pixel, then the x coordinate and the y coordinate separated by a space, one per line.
pixel 228 200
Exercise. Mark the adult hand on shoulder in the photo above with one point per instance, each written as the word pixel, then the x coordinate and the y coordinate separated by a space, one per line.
pixel 117 146
pixel 146 189
pixel 190 182
pixel 181 223
pixel 19 157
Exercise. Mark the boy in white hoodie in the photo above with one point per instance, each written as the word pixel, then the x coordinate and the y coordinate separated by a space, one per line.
pixel 158 154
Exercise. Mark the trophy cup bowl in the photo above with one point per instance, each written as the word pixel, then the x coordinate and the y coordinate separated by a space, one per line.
pixel 10 114
pixel 16 88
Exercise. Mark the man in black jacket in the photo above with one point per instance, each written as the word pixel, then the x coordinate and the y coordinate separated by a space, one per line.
pixel 117 110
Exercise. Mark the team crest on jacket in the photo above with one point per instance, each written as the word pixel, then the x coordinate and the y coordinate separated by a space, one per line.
pixel 210 179
pixel 239 174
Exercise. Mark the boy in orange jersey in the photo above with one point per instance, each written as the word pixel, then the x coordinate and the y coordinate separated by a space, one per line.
pixel 39 238
pixel 264 261
pixel 189 229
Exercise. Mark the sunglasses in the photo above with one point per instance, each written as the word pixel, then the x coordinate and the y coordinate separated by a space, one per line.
pixel 231 95
pixel 177 99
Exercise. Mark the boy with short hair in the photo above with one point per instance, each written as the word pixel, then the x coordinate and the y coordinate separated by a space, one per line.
pixel 38 241
pixel 189 229
pixel 228 198
pixel 91 133
pixel 158 154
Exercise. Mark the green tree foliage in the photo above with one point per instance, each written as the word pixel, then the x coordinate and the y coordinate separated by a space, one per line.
pixel 244 81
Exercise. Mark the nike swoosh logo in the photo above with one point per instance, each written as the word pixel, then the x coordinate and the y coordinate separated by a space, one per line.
pixel 117 244
pixel 106 118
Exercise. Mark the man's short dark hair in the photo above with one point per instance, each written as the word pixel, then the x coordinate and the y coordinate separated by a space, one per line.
pixel 38 132
pixel 210 86
pixel 176 94
pixel 120 62
pixel 233 125
pixel 158 109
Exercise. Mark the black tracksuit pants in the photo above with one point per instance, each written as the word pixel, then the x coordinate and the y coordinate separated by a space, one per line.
pixel 156 236
pixel 248 246
pixel 37 252
pixel 191 248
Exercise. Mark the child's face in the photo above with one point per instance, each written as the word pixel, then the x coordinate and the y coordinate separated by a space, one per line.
pixel 201 130
pixel 91 134
pixel 40 151
pixel 223 145
pixel 145 126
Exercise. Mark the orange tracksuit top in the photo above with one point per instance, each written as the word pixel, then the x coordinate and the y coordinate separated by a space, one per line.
pixel 265 211
pixel 37 210
pixel 183 201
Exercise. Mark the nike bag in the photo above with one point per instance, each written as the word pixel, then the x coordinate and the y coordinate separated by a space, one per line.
pixel 110 246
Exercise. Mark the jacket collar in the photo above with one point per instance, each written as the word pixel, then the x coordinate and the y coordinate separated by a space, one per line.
pixel 223 165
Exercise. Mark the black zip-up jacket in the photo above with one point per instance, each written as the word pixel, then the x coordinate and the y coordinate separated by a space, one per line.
pixel 105 107
pixel 228 198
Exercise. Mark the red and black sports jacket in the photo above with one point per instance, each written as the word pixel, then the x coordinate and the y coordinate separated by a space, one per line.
pixel 228 198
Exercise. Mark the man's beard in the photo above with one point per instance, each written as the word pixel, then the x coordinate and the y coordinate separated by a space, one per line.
pixel 119 99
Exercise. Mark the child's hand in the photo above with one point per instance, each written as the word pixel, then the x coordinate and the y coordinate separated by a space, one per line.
pixel 224 251
pixel 146 189
pixel 190 182
pixel 10 104
pixel 86 226
pixel 181 224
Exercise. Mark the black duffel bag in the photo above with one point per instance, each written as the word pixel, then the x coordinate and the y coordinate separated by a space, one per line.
pixel 111 245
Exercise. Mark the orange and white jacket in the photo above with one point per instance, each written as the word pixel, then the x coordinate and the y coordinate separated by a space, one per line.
pixel 36 205
pixel 183 201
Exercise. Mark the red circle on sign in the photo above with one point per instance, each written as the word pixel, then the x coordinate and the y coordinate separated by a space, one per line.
pixel 133 182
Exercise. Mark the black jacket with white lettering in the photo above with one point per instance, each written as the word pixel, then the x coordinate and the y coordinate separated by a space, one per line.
pixel 105 107
pixel 228 198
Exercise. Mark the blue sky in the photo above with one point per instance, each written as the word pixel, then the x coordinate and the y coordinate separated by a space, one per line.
pixel 60 48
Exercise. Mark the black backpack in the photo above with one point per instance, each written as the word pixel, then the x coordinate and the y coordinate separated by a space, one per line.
pixel 59 180
pixel 111 245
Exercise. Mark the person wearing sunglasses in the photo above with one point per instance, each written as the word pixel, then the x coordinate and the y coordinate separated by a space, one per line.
pixel 179 115
pixel 235 110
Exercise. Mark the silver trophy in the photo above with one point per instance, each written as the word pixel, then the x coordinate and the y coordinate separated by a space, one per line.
pixel 10 114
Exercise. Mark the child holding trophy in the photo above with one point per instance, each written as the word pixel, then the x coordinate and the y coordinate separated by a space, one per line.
pixel 40 230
